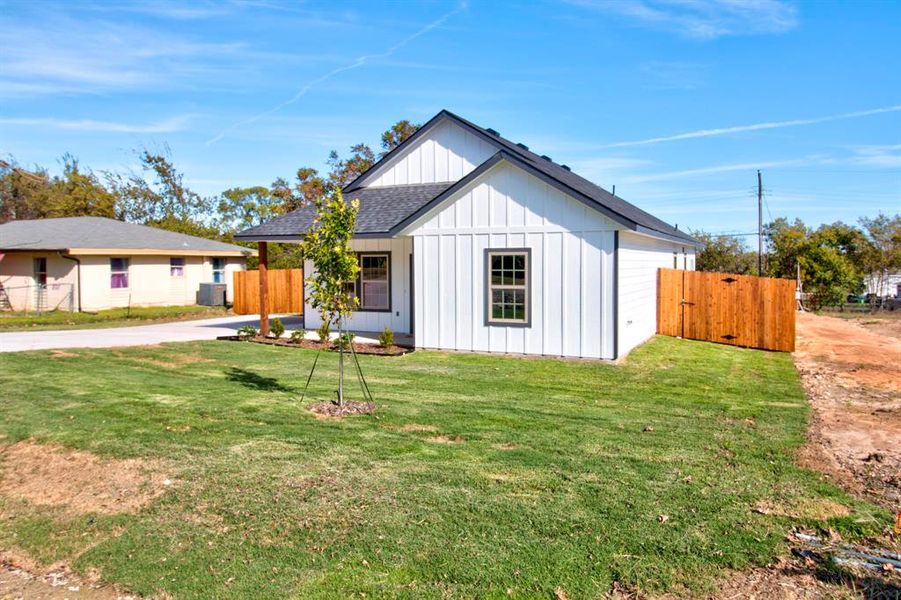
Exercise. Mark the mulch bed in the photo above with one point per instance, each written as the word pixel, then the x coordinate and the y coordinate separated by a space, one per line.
pixel 350 407
pixel 376 349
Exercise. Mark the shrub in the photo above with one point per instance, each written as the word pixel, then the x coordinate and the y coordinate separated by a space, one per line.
pixel 344 340
pixel 247 332
pixel 386 339
pixel 277 328
pixel 297 336
pixel 323 331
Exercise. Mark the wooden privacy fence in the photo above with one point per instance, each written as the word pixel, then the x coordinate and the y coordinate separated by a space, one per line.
pixel 285 291
pixel 753 312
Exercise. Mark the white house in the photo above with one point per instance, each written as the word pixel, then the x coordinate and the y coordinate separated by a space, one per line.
pixel 93 263
pixel 471 242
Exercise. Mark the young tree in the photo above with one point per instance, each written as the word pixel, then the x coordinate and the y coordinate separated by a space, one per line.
pixel 327 246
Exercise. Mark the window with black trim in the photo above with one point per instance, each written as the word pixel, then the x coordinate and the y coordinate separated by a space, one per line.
pixel 507 288
pixel 373 284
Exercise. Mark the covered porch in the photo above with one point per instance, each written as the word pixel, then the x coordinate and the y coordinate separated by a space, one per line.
pixel 384 288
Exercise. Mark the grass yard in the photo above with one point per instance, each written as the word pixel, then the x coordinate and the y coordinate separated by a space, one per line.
pixel 479 475
pixel 114 317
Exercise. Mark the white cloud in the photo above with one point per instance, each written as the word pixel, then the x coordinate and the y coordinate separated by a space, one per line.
pixel 884 156
pixel 702 19
pixel 702 133
pixel 91 126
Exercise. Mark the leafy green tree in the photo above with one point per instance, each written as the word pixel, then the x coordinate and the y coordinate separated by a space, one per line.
pixel 345 170
pixel 79 193
pixel 882 256
pixel 785 241
pixel 240 208
pixel 164 200
pixel 24 194
pixel 724 254
pixel 35 194
pixel 396 135
pixel 827 275
pixel 327 246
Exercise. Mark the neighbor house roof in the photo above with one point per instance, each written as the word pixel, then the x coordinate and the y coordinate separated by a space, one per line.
pixel 395 199
pixel 98 235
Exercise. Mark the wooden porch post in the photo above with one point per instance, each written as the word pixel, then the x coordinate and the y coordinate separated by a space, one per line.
pixel 264 288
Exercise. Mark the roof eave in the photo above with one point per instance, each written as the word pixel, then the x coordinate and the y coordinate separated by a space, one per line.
pixel 686 241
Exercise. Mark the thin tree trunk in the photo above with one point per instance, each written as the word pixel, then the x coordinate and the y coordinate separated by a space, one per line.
pixel 340 362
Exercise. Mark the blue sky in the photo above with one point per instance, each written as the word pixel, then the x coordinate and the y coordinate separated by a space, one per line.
pixel 676 102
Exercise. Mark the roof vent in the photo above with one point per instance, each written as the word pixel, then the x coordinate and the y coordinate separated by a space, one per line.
pixel 523 146
pixel 566 167
pixel 493 132
pixel 546 157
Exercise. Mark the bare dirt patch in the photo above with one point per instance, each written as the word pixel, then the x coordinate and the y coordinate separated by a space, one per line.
pixel 350 407
pixel 852 376
pixel 62 354
pixel 79 482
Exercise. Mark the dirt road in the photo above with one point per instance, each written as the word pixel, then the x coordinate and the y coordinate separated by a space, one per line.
pixel 853 379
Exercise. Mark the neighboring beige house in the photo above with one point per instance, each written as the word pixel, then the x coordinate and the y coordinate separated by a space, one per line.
pixel 93 263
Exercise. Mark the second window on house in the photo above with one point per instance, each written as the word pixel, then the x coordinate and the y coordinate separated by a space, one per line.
pixel 218 270
pixel 118 273
pixel 373 287
pixel 177 267
pixel 507 289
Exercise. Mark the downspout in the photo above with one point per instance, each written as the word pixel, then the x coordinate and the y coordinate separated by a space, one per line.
pixel 77 274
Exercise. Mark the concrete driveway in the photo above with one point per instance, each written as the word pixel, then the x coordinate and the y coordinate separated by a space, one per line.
pixel 139 335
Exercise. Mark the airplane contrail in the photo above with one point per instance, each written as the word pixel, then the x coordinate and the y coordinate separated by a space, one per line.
pixel 702 133
pixel 359 62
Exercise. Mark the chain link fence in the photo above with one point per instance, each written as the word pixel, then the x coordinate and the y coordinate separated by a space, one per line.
pixel 38 298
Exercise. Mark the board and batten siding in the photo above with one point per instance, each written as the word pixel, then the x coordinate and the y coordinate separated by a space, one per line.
pixel 639 257
pixel 447 153
pixel 398 319
pixel 571 291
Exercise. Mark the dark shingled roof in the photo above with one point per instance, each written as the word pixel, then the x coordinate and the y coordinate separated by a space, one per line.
pixel 384 210
pixel 380 209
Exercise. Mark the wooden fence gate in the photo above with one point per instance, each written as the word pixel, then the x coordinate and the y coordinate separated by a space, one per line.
pixel 741 310
pixel 285 292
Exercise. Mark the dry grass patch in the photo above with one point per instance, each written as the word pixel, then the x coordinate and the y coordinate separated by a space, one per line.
pixel 803 508
pixel 77 481
pixel 444 439
pixel 418 428
pixel 505 446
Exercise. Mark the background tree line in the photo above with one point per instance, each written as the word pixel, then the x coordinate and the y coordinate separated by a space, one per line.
pixel 834 260
pixel 157 194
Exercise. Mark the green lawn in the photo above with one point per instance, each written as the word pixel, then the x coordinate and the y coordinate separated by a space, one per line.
pixel 559 479
pixel 114 317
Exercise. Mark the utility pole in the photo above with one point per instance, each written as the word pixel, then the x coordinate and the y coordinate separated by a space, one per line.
pixel 759 223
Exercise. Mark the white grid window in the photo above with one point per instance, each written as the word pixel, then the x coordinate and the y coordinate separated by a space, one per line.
pixel 508 287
